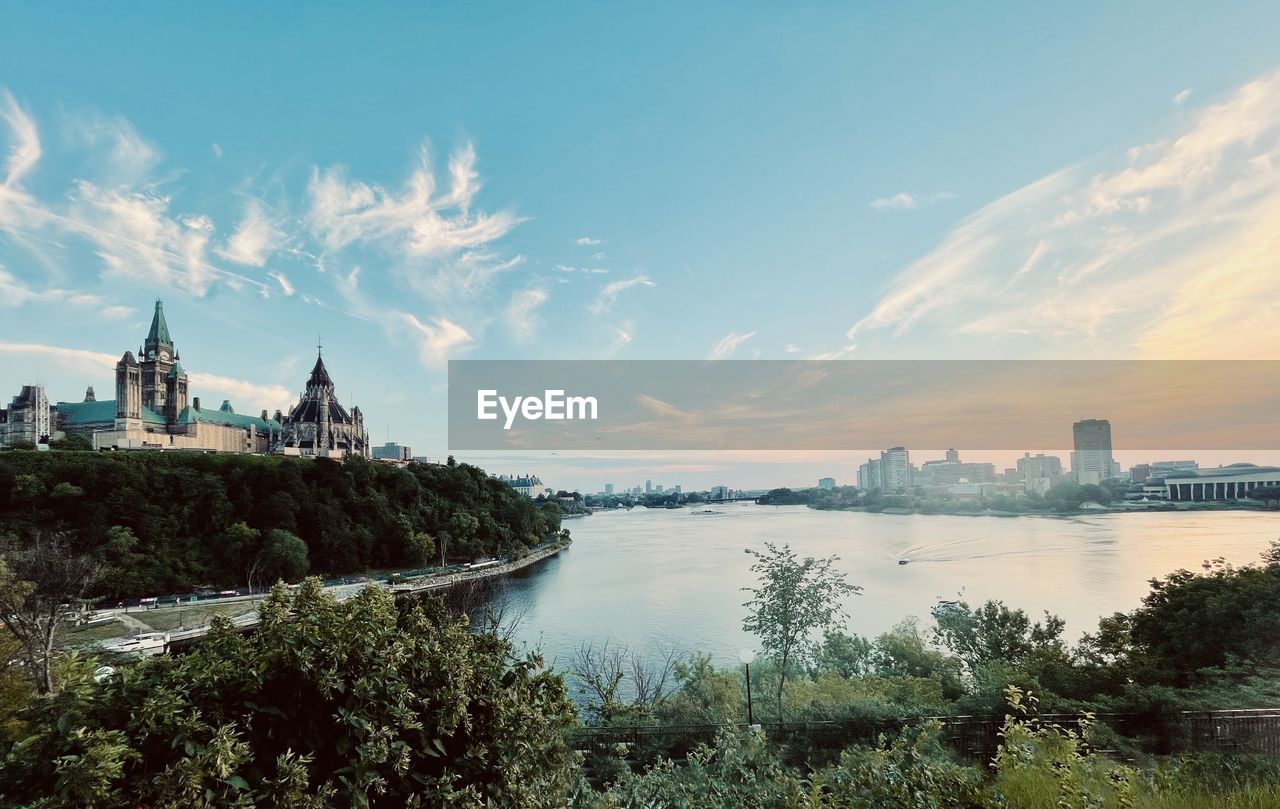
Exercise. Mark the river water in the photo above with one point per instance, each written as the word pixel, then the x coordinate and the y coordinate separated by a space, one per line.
pixel 654 580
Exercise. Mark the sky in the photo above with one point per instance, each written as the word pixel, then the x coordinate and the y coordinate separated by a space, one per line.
pixel 412 183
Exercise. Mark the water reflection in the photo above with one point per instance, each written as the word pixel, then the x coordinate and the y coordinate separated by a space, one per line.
pixel 656 580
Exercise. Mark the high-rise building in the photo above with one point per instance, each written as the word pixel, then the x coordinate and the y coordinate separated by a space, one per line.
pixel 869 476
pixel 1091 462
pixel 608 488
pixel 648 486
pixel 953 456
pixel 895 468
pixel 827 483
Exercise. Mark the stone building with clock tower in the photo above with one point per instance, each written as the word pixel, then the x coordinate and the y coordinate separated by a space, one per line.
pixel 153 409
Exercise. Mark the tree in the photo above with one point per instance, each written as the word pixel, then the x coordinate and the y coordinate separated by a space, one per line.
pixel 363 702
pixel 72 442
pixel 39 585
pixel 994 633
pixel 1269 495
pixel 794 599
pixel 283 557
pixel 846 655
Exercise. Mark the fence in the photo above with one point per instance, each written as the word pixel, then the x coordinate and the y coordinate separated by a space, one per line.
pixel 973 737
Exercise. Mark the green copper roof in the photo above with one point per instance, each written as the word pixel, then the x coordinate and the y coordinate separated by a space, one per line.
pixel 176 370
pixel 79 413
pixel 208 416
pixel 159 334
pixel 87 412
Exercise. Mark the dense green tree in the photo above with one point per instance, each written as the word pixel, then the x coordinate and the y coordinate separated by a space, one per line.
pixel 283 556
pixel 995 633
pixel 357 703
pixel 1191 622
pixel 199 520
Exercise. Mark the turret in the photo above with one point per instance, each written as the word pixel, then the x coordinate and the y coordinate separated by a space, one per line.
pixel 175 398
pixel 128 388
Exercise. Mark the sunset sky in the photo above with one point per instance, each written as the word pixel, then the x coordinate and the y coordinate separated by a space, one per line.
pixel 410 184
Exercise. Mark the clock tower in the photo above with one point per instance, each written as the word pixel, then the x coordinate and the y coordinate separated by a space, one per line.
pixel 155 360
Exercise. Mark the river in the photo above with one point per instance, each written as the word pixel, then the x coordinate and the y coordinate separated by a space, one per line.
pixel 653 580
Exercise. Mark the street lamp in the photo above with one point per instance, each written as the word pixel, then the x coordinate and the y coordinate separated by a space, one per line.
pixel 748 656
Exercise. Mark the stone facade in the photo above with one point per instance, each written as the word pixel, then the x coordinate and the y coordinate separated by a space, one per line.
pixel 28 419
pixel 318 425
pixel 153 409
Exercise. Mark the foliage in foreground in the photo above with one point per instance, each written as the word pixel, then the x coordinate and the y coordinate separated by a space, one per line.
pixel 1039 766
pixel 358 703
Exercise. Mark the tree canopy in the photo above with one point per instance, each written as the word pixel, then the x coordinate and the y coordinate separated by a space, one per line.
pixel 172 522
pixel 364 702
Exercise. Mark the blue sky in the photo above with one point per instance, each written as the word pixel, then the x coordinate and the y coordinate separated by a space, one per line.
pixel 637 181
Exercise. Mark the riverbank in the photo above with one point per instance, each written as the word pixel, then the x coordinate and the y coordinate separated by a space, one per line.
pixel 243 613
pixel 1136 508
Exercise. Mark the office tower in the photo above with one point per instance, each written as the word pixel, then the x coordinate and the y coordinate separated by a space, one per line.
pixel 1091 462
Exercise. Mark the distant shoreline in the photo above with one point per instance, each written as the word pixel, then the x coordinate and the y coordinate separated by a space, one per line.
pixel 1162 509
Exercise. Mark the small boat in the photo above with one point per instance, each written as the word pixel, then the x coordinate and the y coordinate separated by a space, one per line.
pixel 904 561
pixel 1206 564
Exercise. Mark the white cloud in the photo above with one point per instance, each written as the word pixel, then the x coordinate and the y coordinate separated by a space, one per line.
pixel 904 201
pixel 899 201
pixel 729 344
pixel 1173 253
pixel 622 337
pixel 217 150
pixel 437 341
pixel 792 348
pixel 416 223
pixel 1182 96
pixel 204 385
pixel 14 292
pixel 124 156
pixel 256 237
pixel 283 281
pixel 121 213
pixel 587 241
pixel 24 152
pixel 609 294
pixel 249 396
pixel 522 313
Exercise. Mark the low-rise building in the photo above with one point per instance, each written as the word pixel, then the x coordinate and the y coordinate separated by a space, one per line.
pixel 1234 482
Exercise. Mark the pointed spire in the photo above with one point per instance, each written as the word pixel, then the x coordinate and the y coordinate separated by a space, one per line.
pixel 89 395
pixel 319 375
pixel 159 333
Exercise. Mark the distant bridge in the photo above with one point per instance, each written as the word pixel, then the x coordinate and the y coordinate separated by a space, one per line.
pixel 742 499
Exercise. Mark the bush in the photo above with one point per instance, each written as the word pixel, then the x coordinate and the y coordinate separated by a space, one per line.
pixel 354 703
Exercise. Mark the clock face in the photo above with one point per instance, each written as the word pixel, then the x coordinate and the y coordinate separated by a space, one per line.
pixel 164 356
pixel 151 355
